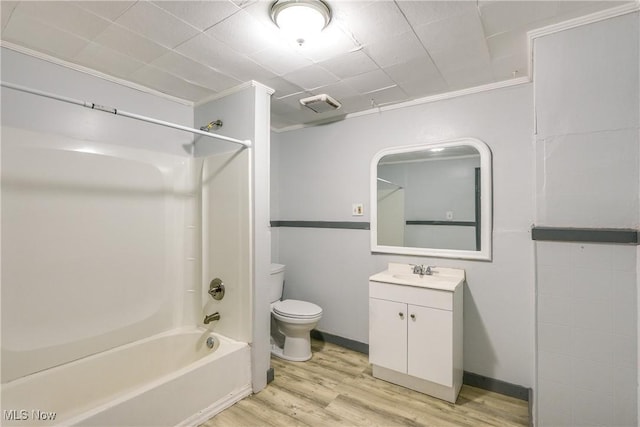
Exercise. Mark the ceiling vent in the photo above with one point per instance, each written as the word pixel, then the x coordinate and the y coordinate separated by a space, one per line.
pixel 320 103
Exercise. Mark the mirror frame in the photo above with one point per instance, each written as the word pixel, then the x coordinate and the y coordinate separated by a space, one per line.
pixel 486 203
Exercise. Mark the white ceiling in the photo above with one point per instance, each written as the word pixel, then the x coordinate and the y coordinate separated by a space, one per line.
pixel 373 53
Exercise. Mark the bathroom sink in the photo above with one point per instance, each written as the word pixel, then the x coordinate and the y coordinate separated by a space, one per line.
pixel 402 274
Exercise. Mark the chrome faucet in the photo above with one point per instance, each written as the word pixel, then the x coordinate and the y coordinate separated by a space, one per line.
pixel 211 317
pixel 422 269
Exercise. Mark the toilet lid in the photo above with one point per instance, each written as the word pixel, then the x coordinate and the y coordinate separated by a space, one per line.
pixel 298 309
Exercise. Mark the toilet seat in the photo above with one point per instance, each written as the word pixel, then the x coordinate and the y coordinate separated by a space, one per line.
pixel 296 309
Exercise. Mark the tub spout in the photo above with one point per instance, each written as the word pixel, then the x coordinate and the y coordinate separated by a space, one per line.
pixel 211 317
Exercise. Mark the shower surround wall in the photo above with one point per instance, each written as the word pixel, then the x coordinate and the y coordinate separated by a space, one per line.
pixel 587 176
pixel 109 225
pixel 92 216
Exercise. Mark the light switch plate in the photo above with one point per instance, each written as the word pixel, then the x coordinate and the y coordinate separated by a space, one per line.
pixel 357 209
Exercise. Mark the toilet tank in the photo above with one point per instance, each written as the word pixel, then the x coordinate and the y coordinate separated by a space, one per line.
pixel 276 282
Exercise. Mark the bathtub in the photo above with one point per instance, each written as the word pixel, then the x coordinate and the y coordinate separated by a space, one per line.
pixel 170 379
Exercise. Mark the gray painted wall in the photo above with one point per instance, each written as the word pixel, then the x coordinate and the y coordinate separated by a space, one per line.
pixel 588 175
pixel 318 172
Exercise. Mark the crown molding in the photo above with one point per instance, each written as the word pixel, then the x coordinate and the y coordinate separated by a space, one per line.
pixel 414 102
pixel 585 20
pixel 92 72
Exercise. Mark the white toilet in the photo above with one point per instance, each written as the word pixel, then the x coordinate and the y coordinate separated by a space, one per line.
pixel 293 319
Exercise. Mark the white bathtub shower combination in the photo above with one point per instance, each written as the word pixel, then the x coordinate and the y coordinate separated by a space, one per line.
pixel 169 379
pixel 106 252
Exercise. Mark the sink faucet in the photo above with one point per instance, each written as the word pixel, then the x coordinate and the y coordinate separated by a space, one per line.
pixel 422 269
pixel 211 317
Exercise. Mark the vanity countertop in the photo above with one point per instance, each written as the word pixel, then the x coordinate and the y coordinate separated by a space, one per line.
pixel 443 278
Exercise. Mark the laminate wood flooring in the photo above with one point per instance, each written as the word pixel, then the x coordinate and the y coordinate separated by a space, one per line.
pixel 336 388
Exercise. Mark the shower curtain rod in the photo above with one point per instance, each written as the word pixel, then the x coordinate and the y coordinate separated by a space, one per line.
pixel 245 143
pixel 389 182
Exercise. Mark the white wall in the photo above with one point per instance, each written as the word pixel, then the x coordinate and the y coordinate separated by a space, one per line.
pixel 92 216
pixel 245 115
pixel 319 172
pixel 588 175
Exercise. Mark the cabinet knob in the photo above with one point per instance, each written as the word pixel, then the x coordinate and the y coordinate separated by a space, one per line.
pixel 413 317
pixel 401 314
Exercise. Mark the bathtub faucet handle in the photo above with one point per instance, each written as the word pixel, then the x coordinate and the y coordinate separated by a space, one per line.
pixel 211 317
pixel 216 289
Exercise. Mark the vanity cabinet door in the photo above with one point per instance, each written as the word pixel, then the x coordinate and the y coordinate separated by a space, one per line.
pixel 388 334
pixel 430 344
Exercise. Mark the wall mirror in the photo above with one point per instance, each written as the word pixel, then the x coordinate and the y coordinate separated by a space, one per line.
pixel 433 200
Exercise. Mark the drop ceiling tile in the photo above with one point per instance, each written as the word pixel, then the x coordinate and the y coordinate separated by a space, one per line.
pixel 501 16
pixel 110 10
pixel 349 64
pixel 356 103
pixel 346 11
pixel 508 67
pixel 26 31
pixel 507 44
pixel 129 43
pixel 65 16
pixel 243 3
pixel 281 87
pixel 6 9
pixel 423 87
pixel 469 77
pixel 194 72
pixel 242 33
pixel 447 33
pixel 280 59
pixel 367 82
pixel 310 77
pixel 219 56
pixel 166 83
pixel 293 102
pixel 419 13
pixel 470 54
pixel 571 9
pixel 418 68
pixel 200 14
pixel 102 58
pixel 392 95
pixel 337 90
pixel 156 24
pixel 395 50
pixel 378 21
pixel 332 41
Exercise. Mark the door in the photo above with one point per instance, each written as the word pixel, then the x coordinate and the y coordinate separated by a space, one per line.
pixel 430 344
pixel 388 334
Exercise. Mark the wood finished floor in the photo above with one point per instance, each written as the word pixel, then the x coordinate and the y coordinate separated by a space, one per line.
pixel 336 388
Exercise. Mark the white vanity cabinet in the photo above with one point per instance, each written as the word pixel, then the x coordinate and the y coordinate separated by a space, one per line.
pixel 415 330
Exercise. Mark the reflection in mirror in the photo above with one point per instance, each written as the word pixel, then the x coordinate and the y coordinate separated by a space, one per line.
pixel 433 199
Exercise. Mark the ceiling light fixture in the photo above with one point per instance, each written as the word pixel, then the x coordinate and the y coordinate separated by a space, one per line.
pixel 301 19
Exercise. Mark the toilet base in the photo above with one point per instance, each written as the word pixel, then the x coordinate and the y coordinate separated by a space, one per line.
pixel 293 356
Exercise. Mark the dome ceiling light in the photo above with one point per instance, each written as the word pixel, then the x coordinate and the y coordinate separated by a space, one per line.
pixel 300 20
